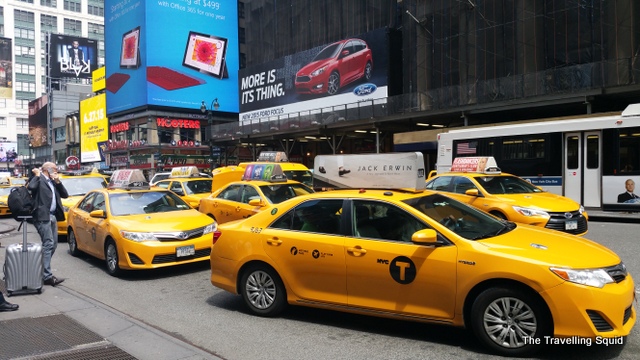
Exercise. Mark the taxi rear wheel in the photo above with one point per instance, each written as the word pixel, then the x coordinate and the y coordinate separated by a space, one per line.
pixel 111 258
pixel 73 245
pixel 263 291
pixel 509 321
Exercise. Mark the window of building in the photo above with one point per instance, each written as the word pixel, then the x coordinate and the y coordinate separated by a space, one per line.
pixel 3 103
pixel 24 17
pixel 48 22
pixel 73 27
pixel 25 86
pixel 27 1
pixel 24 50
pixel 95 9
pixel 21 33
pixel 3 122
pixel 95 29
pixel 73 5
pixel 22 123
pixel 49 3
pixel 22 104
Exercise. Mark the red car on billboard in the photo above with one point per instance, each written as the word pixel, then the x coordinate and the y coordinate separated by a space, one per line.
pixel 335 66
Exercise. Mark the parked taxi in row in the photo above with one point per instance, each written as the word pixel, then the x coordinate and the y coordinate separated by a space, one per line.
pixel 10 181
pixel 78 183
pixel 132 226
pixel 477 181
pixel 262 186
pixel 187 183
pixel 4 204
pixel 420 255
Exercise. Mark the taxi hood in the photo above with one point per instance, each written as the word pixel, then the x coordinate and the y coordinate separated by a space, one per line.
pixel 71 200
pixel 163 221
pixel 542 201
pixel 531 243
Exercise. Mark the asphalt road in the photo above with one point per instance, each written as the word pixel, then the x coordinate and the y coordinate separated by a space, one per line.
pixel 182 302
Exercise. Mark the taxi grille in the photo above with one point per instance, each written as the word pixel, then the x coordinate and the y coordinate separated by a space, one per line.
pixel 135 259
pixel 558 220
pixel 617 273
pixel 599 322
pixel 170 258
pixel 627 315
pixel 180 235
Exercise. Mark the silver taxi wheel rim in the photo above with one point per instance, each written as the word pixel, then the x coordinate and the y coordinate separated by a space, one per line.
pixel 112 257
pixel 261 290
pixel 509 322
pixel 72 241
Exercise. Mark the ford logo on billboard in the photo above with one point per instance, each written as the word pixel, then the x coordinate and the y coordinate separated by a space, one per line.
pixel 365 89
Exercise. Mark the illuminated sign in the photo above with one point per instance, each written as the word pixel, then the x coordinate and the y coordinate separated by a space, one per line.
pixel 178 123
pixel 119 127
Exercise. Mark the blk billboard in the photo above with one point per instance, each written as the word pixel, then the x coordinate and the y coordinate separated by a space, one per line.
pixel 154 59
pixel 6 69
pixel 72 57
pixel 351 70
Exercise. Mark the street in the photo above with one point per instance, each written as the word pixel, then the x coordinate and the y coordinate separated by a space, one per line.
pixel 182 302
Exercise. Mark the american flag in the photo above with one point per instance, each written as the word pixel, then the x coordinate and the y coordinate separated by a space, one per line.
pixel 466 148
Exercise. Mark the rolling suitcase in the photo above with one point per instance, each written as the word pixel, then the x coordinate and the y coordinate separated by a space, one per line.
pixel 23 265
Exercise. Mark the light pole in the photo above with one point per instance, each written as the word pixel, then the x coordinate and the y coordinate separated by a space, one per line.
pixel 215 105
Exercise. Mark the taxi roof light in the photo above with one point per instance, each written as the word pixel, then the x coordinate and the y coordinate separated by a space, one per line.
pixel 128 179
pixel 476 164
pixel 264 172
pixel 185 172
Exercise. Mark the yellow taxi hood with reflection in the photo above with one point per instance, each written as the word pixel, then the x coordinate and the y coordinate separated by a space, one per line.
pixel 194 199
pixel 168 220
pixel 532 243
pixel 543 201
pixel 71 200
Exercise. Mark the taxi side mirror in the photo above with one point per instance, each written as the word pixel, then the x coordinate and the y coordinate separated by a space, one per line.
pixel 98 214
pixel 472 192
pixel 256 202
pixel 428 237
pixel 432 173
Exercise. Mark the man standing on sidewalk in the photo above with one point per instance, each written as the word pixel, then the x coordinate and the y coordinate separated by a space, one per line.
pixel 46 190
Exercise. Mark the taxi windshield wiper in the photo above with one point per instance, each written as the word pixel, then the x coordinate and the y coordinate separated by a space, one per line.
pixel 506 225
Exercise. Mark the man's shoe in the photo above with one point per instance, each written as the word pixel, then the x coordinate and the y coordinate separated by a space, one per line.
pixel 53 281
pixel 7 306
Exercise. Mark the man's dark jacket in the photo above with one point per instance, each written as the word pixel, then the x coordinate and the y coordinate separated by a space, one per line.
pixel 42 195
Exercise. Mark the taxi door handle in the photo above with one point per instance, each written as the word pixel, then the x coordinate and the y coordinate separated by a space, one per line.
pixel 274 241
pixel 357 251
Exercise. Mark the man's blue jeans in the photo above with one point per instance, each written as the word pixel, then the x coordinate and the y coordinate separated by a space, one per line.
pixel 48 231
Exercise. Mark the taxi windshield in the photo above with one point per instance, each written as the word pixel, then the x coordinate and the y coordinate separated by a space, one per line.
pixel 303 176
pixel 197 187
pixel 82 185
pixel 464 220
pixel 506 185
pixel 5 191
pixel 137 202
pixel 279 193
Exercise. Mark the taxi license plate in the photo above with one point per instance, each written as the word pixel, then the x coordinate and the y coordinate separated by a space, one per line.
pixel 571 225
pixel 185 251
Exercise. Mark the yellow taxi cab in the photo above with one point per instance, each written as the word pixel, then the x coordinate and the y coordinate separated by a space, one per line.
pixel 132 226
pixel 9 181
pixel 187 183
pixel 262 186
pixel 478 181
pixel 78 183
pixel 4 195
pixel 413 254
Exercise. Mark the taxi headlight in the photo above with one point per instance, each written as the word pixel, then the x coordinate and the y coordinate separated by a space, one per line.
pixel 581 209
pixel 590 277
pixel 530 212
pixel 209 229
pixel 138 236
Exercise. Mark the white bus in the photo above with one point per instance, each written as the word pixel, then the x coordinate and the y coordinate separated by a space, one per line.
pixel 592 159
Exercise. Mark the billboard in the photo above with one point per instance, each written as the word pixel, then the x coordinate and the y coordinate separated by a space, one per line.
pixel 72 56
pixel 8 151
pixel 6 69
pixel 152 59
pixel 38 125
pixel 98 81
pixel 94 127
pixel 348 71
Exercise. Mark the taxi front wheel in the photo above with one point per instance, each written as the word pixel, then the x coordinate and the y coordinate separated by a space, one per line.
pixel 263 290
pixel 510 321
pixel 111 258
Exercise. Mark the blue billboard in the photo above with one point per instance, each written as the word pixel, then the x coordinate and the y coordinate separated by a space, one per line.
pixel 171 53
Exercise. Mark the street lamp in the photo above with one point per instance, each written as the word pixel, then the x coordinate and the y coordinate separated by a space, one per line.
pixel 215 105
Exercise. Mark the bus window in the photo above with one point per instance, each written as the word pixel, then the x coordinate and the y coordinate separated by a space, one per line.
pixel 593 152
pixel 572 152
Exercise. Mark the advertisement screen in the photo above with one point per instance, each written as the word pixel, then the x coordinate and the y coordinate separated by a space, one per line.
pixel 94 127
pixel 152 59
pixel 6 69
pixel 348 71
pixel 38 129
pixel 73 57
pixel 8 151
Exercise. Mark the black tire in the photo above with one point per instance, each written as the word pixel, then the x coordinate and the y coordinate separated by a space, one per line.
pixel 508 333
pixel 73 243
pixel 111 258
pixel 499 215
pixel 263 291
pixel 333 84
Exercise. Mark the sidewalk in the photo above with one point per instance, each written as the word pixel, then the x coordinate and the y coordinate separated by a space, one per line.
pixel 61 324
